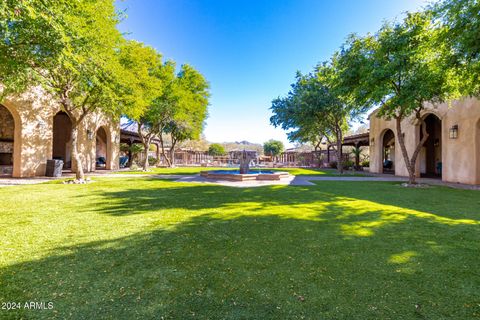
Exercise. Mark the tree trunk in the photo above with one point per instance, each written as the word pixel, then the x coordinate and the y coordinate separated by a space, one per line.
pixel 172 156
pixel 410 162
pixel 172 151
pixel 339 150
pixel 79 174
pixel 339 156
pixel 164 154
pixel 146 146
pixel 401 141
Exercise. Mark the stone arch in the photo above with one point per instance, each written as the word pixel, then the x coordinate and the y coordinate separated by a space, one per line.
pixel 387 151
pixel 10 141
pixel 434 112
pixel 103 148
pixel 61 139
pixel 430 158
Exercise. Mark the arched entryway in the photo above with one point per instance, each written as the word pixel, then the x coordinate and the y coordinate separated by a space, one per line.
pixel 102 149
pixel 431 153
pixel 388 152
pixel 7 137
pixel 62 144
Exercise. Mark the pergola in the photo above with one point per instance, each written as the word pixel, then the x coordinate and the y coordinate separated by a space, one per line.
pixel 131 137
pixel 355 140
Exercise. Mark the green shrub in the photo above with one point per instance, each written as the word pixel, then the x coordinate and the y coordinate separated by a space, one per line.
pixel 152 161
pixel 348 164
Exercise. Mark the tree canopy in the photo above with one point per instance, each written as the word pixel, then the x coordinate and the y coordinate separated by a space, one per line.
pixel 75 53
pixel 316 108
pixel 67 48
pixel 400 69
pixel 273 147
pixel 460 20
pixel 216 149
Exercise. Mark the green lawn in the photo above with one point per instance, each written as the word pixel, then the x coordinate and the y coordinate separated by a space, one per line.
pixel 196 170
pixel 142 248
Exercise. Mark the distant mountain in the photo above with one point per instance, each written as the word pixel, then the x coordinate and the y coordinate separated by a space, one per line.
pixel 243 145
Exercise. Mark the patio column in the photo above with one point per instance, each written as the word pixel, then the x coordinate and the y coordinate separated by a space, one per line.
pixel 129 152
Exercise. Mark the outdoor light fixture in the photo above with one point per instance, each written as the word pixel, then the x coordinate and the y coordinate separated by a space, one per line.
pixel 372 141
pixel 453 132
pixel 42 125
pixel 89 134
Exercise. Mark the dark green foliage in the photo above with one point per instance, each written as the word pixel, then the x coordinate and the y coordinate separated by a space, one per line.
pixel 216 149
pixel 273 147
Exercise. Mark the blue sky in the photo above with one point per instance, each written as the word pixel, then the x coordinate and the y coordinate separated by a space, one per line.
pixel 249 50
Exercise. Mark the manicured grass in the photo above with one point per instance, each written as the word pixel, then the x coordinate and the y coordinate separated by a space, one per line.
pixel 196 170
pixel 143 248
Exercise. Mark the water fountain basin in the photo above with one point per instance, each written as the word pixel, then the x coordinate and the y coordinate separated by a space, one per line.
pixel 235 175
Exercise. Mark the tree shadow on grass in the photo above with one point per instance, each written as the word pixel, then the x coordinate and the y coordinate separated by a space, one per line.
pixel 155 194
pixel 435 202
pixel 263 267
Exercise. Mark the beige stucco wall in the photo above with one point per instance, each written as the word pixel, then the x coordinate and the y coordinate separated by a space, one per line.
pixel 33 113
pixel 460 157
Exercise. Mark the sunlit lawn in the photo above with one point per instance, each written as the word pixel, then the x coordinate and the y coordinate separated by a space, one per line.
pixel 196 170
pixel 143 248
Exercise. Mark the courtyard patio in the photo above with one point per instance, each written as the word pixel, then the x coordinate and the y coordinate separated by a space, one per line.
pixel 138 246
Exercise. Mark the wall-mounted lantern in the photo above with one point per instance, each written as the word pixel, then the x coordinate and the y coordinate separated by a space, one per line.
pixel 453 132
pixel 89 135
pixel 372 141
pixel 42 125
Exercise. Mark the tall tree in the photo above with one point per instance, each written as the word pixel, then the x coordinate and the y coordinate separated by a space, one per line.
pixel 399 69
pixel 142 81
pixel 78 68
pixel 190 108
pixel 273 147
pixel 316 107
pixel 460 21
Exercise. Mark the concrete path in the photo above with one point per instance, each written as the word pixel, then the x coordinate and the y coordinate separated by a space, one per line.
pixel 292 180
pixel 307 181
pixel 9 181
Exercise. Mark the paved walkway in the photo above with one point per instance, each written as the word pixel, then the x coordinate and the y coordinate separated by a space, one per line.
pixel 292 180
pixel 9 181
pixel 307 181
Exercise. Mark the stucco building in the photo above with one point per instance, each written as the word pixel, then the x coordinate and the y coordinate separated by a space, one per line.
pixel 33 129
pixel 452 151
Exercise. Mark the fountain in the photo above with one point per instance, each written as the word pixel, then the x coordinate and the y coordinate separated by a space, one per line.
pixel 244 174
pixel 245 159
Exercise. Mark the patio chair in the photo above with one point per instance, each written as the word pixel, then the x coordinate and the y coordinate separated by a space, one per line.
pixel 388 164
pixel 123 161
pixel 101 162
